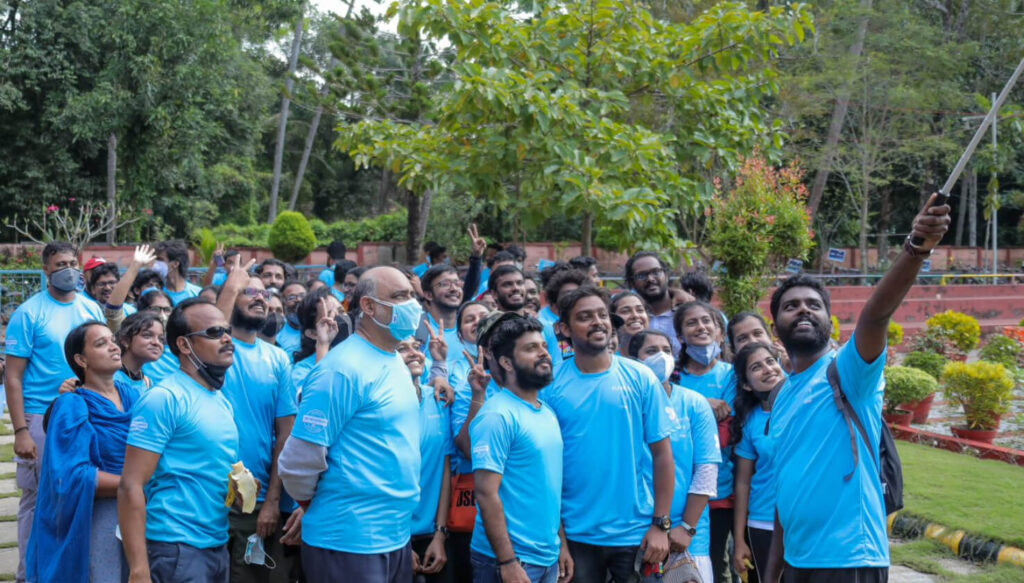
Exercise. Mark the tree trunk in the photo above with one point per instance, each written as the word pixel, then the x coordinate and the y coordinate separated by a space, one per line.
pixel 282 125
pixel 961 211
pixel 864 230
pixel 416 224
pixel 972 210
pixel 835 128
pixel 587 237
pixel 884 220
pixel 112 188
pixel 314 125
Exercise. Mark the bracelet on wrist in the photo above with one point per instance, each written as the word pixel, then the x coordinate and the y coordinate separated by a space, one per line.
pixel 507 561
pixel 20 429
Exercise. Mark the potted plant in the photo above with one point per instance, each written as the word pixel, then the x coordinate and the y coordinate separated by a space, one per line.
pixel 984 390
pixel 905 385
pixel 931 363
pixel 1004 350
pixel 962 330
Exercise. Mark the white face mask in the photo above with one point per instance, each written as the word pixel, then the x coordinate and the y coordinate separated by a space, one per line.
pixel 662 363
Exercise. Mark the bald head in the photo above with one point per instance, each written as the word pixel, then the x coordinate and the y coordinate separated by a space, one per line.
pixel 384 283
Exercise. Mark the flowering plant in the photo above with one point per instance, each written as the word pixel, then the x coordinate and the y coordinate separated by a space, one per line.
pixel 755 227
pixel 76 222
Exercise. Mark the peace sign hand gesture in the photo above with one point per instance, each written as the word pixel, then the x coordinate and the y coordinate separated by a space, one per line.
pixel 438 347
pixel 479 243
pixel 478 377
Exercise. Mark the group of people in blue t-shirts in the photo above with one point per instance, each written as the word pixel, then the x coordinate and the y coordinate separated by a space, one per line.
pixel 409 429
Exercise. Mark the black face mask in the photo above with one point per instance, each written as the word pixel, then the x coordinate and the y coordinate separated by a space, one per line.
pixel 213 374
pixel 273 325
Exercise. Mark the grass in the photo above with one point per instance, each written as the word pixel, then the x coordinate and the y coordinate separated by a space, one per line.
pixel 926 556
pixel 960 491
pixel 7 452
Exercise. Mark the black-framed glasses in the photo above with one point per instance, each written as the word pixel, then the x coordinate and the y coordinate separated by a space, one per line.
pixel 447 284
pixel 212 333
pixel 253 292
pixel 161 309
pixel 651 274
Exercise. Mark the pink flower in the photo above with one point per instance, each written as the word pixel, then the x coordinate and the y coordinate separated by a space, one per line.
pixel 52 208
pixel 770 219
pixel 149 212
pixel 72 199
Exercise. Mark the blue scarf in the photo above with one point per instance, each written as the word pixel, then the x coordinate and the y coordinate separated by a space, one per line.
pixel 86 433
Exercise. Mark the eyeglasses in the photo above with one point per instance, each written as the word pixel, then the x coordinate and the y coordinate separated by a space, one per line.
pixel 253 292
pixel 161 309
pixel 212 333
pixel 106 284
pixel 652 274
pixel 294 297
pixel 447 284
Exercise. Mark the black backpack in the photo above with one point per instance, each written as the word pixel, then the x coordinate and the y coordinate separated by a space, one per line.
pixel 891 469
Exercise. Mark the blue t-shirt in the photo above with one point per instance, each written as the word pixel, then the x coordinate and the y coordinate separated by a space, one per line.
pixel 361 405
pixel 435 445
pixel 139 386
pixel 755 445
pixel 289 339
pixel 420 269
pixel 663 323
pixel 220 277
pixel 608 421
pixel 327 276
pixel 522 443
pixel 451 337
pixel 160 369
pixel 36 332
pixel 259 387
pixel 337 294
pixel 694 442
pixel 829 522
pixel 460 411
pixel 547 316
pixel 186 424
pixel 302 371
pixel 718 383
pixel 191 290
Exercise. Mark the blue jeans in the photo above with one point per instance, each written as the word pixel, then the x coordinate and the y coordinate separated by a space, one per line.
pixel 485 570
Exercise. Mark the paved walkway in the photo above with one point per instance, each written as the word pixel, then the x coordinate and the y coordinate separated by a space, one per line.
pixel 9 532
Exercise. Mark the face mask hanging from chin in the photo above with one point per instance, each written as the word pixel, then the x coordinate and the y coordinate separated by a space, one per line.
pixel 213 374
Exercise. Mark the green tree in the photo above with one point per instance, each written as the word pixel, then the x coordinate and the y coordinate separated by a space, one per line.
pixel 588 108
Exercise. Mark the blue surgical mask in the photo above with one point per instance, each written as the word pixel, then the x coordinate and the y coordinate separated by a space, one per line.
pixel 405 318
pixel 255 554
pixel 66 280
pixel 704 355
pixel 662 364
pixel 161 268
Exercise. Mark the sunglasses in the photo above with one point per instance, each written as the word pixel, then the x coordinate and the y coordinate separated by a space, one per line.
pixel 253 292
pixel 212 333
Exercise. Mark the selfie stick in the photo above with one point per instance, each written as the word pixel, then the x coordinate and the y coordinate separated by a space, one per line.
pixel 943 195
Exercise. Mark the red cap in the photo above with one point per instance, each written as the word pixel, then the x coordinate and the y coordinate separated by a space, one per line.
pixel 93 263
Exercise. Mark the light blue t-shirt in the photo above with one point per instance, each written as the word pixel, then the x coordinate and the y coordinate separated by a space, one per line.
pixel 460 411
pixel 259 387
pixel 138 386
pixel 694 442
pixel 756 446
pixel 289 339
pixel 327 275
pixel 522 443
pixel 451 337
pixel 361 405
pixel 663 323
pixel 420 269
pixel 187 424
pixel 829 522
pixel 301 373
pixel 718 383
pixel 435 446
pixel 220 277
pixel 160 369
pixel 547 316
pixel 36 332
pixel 191 290
pixel 608 422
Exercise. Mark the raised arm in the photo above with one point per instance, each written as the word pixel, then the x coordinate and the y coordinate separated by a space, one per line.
pixel 873 325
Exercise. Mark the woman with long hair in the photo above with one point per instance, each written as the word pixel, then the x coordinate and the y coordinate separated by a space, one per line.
pixel 694 449
pixel 758 371
pixel 86 432
pixel 635 315
pixel 698 326
pixel 324 325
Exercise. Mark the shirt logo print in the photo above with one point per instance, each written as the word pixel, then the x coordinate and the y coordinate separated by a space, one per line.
pixel 315 421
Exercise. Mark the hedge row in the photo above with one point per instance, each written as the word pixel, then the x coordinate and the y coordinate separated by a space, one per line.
pixel 382 228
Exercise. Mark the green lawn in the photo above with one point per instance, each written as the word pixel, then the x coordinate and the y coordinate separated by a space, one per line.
pixel 982 497
pixel 924 556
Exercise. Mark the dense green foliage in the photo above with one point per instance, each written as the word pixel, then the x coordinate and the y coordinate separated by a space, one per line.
pixel 904 384
pixel 291 238
pixel 962 330
pixel 930 362
pixel 605 121
pixel 984 389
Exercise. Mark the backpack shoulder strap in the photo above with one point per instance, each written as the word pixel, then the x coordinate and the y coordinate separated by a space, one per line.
pixel 849 415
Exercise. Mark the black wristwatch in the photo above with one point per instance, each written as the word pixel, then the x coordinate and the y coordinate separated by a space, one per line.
pixel 689 529
pixel 662 522
pixel 443 530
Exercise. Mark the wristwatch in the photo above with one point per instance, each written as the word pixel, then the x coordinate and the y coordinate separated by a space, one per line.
pixel 662 522
pixel 913 251
pixel 689 529
pixel 443 530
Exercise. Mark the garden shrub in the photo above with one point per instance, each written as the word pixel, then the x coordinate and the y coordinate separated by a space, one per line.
pixel 904 384
pixel 1003 350
pixel 930 362
pixel 962 330
pixel 291 238
pixel 983 389
pixel 895 334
